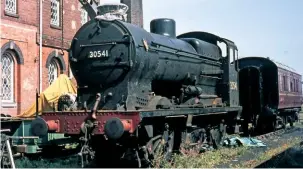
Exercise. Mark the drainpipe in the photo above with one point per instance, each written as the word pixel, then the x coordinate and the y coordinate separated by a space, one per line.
pixel 40 49
pixel 62 33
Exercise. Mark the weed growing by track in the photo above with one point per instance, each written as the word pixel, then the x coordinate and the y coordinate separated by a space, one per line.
pixel 193 159
pixel 226 156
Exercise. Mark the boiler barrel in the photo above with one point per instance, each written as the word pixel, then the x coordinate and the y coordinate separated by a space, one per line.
pixel 174 65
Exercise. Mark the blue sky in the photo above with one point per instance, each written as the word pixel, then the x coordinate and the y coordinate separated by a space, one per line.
pixel 268 28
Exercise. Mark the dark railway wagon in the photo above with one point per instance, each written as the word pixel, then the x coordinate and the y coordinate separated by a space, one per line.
pixel 270 93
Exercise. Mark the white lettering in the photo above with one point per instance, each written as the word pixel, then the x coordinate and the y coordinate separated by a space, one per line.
pixel 98 54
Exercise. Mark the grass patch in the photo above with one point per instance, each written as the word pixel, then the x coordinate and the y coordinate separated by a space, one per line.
pixel 193 159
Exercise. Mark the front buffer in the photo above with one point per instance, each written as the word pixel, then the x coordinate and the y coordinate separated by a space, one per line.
pixel 96 135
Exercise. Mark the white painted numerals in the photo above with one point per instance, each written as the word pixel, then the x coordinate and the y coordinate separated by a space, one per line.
pixel 98 54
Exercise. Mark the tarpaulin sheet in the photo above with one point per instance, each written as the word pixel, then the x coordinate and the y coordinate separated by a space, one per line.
pixel 251 142
pixel 50 96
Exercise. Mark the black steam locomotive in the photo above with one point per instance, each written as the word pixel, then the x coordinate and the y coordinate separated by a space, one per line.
pixel 129 65
pixel 147 88
pixel 181 87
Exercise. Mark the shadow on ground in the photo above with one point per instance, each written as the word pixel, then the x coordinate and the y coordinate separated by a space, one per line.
pixel 50 159
pixel 290 158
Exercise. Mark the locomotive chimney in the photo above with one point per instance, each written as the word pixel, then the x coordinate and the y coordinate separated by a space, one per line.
pixel 163 26
pixel 112 11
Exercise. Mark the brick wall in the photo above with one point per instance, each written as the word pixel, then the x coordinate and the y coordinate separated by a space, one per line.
pixel 25 15
pixel 135 11
pixel 71 15
pixel 23 30
pixel 25 74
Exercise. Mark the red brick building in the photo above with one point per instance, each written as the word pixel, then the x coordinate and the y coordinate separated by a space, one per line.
pixel 20 47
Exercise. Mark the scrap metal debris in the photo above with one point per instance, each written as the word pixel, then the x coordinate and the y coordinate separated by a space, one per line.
pixel 245 141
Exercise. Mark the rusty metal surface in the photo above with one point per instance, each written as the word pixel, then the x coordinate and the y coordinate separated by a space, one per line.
pixel 290 101
pixel 53 125
pixel 70 122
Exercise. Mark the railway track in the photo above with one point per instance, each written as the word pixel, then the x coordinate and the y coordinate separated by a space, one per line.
pixel 267 136
pixel 277 132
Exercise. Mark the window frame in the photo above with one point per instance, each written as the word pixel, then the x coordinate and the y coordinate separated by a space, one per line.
pixel 8 55
pixel 285 83
pixel 281 83
pixel 298 85
pixel 8 13
pixel 54 64
pixel 224 49
pixel 59 15
pixel 232 55
pixel 295 84
pixel 292 89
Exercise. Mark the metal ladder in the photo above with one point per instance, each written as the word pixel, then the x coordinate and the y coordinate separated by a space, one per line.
pixel 6 155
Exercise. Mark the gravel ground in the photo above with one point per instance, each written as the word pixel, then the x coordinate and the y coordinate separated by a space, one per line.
pixel 291 158
pixel 279 148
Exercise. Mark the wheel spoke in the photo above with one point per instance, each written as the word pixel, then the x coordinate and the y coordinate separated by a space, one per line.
pixel 162 146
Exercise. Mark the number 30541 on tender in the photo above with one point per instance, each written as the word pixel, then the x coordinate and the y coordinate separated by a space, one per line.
pixel 98 54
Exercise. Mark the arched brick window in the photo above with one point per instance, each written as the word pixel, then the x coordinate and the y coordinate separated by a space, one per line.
pixel 52 71
pixel 55 65
pixel 7 79
pixel 11 55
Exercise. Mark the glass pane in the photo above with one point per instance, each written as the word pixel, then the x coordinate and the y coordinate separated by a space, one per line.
pixel 11 6
pixel 223 48
pixel 55 15
pixel 231 55
pixel 52 72
pixel 7 77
